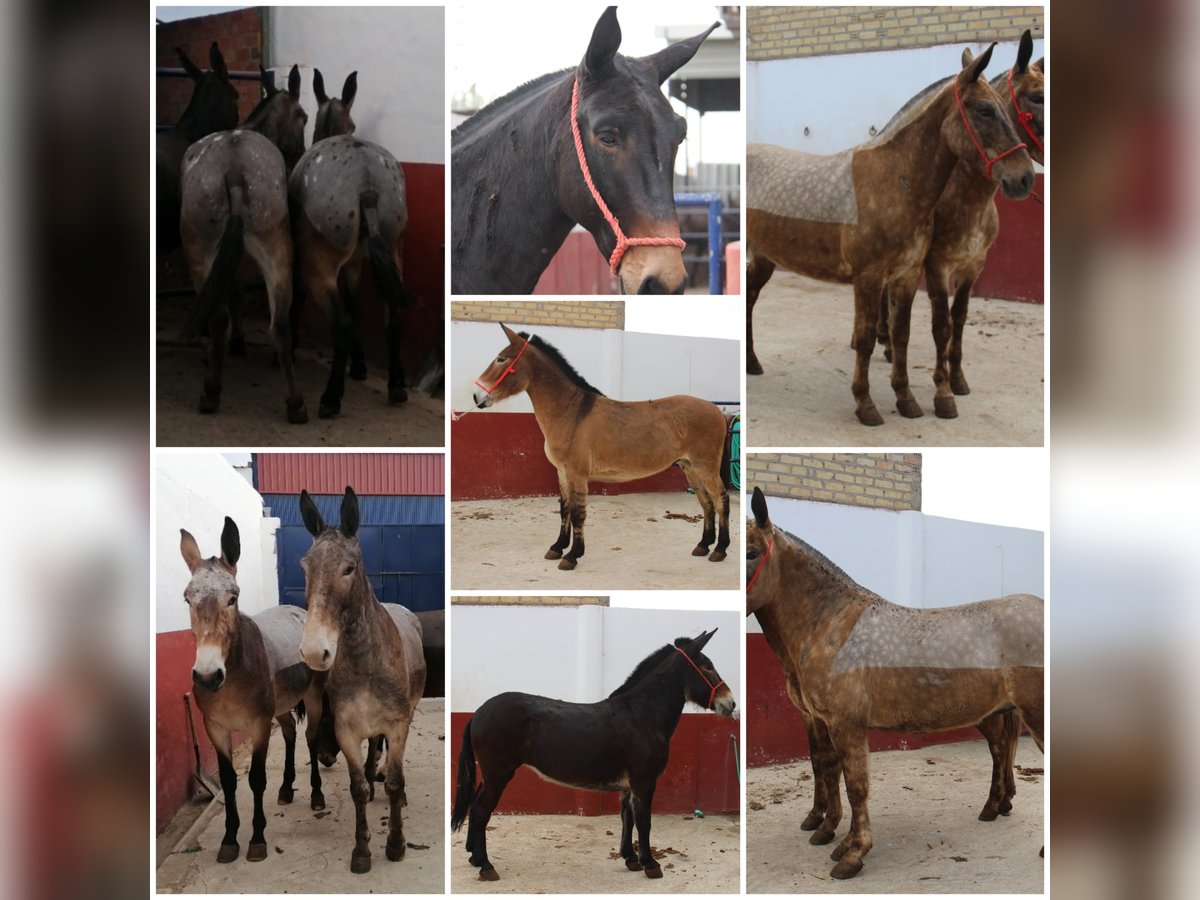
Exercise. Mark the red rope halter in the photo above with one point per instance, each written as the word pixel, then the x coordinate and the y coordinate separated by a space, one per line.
pixel 623 242
pixel 1022 116
pixel 761 561
pixel 988 162
pixel 506 372
pixel 714 687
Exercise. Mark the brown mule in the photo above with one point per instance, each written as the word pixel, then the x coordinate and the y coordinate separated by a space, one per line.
pixel 592 437
pixel 865 216
pixel 854 661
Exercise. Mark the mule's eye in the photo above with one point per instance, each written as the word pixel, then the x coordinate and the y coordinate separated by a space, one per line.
pixel 349 570
pixel 987 112
pixel 500 359
pixel 607 137
pixel 1036 98
pixel 752 553
pixel 232 599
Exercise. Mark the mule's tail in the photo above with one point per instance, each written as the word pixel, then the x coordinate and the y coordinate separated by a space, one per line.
pixel 383 262
pixel 466 789
pixel 223 274
pixel 726 443
pixel 299 710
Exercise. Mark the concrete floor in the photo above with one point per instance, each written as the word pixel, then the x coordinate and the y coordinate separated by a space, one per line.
pixel 309 852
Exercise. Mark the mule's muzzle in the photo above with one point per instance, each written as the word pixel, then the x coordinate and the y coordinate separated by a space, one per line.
pixel 1017 187
pixel 210 681
pixel 653 285
pixel 723 703
pixel 318 653
pixel 482 400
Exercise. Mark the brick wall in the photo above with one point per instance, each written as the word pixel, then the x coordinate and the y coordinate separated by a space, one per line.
pixel 783 32
pixel 239 35
pixel 879 480
pixel 529 601
pixel 571 313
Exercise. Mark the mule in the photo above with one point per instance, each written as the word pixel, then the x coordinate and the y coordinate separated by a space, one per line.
pixel 865 216
pixel 854 661
pixel 593 145
pixel 247 671
pixel 374 660
pixel 620 744
pixel 592 437
pixel 235 202
pixel 348 205
pixel 213 107
pixel 965 226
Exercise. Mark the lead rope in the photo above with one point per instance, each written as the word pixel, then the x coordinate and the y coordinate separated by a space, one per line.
pixel 704 677
pixel 623 242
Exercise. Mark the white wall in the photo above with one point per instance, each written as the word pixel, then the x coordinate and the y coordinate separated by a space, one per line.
pixel 838 98
pixel 197 491
pixel 624 365
pixel 399 53
pixel 915 559
pixel 577 653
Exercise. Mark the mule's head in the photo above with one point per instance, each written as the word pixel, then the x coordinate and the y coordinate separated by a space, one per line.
pixel 335 581
pixel 333 113
pixel 280 117
pixel 212 598
pixel 761 561
pixel 701 679
pixel 214 103
pixel 496 380
pixel 1028 88
pixel 630 136
pixel 981 126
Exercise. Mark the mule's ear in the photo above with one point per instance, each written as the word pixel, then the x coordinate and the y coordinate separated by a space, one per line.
pixel 1024 53
pixel 967 57
pixel 294 82
pixel 758 504
pixel 231 544
pixel 193 70
pixel 606 39
pixel 671 59
pixel 267 79
pixel 216 61
pixel 972 70
pixel 1040 65
pixel 189 549
pixel 319 86
pixel 350 513
pixel 349 89
pixel 311 515
pixel 701 640
pixel 512 336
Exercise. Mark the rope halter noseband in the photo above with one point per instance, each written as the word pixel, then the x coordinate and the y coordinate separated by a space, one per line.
pixel 623 242
pixel 988 162
pixel 713 692
pixel 761 561
pixel 506 373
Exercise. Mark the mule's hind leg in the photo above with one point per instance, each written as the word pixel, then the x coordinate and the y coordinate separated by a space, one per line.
pixel 965 280
pixel 217 326
pixel 374 751
pixel 482 806
pixel 995 729
pixel 718 500
pixel 936 285
pixel 273 253
pixel 348 281
pixel 758 273
pixel 313 710
pixel 393 784
pixel 899 295
pixel 564 512
pixel 397 389
pixel 867 294
pixel 237 336
pixel 287 727
pixel 577 508
pixel 625 849
pixel 709 534
pixel 256 851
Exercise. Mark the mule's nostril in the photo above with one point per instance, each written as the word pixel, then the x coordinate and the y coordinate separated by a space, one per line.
pixel 651 285
pixel 324 656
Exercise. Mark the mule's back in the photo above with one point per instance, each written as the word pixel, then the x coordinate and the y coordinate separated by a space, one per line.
pixel 204 195
pixel 409 627
pixel 281 628
pixel 804 186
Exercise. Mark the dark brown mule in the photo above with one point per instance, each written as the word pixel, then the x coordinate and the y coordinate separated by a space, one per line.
pixel 591 437
pixel 213 107
pixel 518 188
pixel 235 202
pixel 966 224
pixel 865 216
pixel 854 661
pixel 247 672
pixel 348 205
pixel 621 744
pixel 375 664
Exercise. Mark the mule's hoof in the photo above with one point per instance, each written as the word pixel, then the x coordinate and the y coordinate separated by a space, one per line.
pixel 655 872
pixel 566 564
pixel 945 407
pixel 633 865
pixel 256 853
pixel 297 414
pixel 717 556
pixel 909 408
pixel 228 853
pixel 360 865
pixel 820 836
pixel 811 821
pixel 553 554
pixel 1042 852
pixel 699 550
pixel 237 345
pixel 959 385
pixel 988 815
pixel 1006 807
pixel 395 854
pixel 318 802
pixel 869 415
pixel 753 367
pixel 847 868
pixel 397 395
pixel 209 403
pixel 358 371
pixel 329 408
pixel 489 875
pixel 286 795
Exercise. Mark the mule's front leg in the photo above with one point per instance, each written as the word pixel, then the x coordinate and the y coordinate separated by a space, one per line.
pixel 257 851
pixel 939 306
pixel 626 846
pixel 958 316
pixel 758 273
pixel 287 727
pixel 851 744
pixel 312 707
pixel 641 813
pixel 564 513
pixel 229 846
pixel 827 771
pixel 351 747
pixel 577 503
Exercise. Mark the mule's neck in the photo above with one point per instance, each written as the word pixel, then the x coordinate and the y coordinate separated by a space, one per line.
pixel 507 219
pixel 551 391
pixel 658 701
pixel 360 644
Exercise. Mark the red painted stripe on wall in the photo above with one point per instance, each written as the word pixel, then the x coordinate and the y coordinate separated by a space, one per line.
pixel 774 729
pixel 503 455
pixel 369 473
pixel 1015 268
pixel 174 761
pixel 700 775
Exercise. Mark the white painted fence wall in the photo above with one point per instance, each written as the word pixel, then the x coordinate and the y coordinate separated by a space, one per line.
pixel 197 491
pixel 624 365
pixel 577 653
pixel 399 55
pixel 915 559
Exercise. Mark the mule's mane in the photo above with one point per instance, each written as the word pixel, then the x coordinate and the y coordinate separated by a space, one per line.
pixel 914 105
pixel 823 562
pixel 556 357
pixel 644 668
pixel 494 109
pixel 259 112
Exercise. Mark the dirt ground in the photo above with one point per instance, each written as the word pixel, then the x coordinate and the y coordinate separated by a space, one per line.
pixel 802 334
pixel 631 544
pixel 924 806
pixel 310 852
pixel 252 399
pixel 577 854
